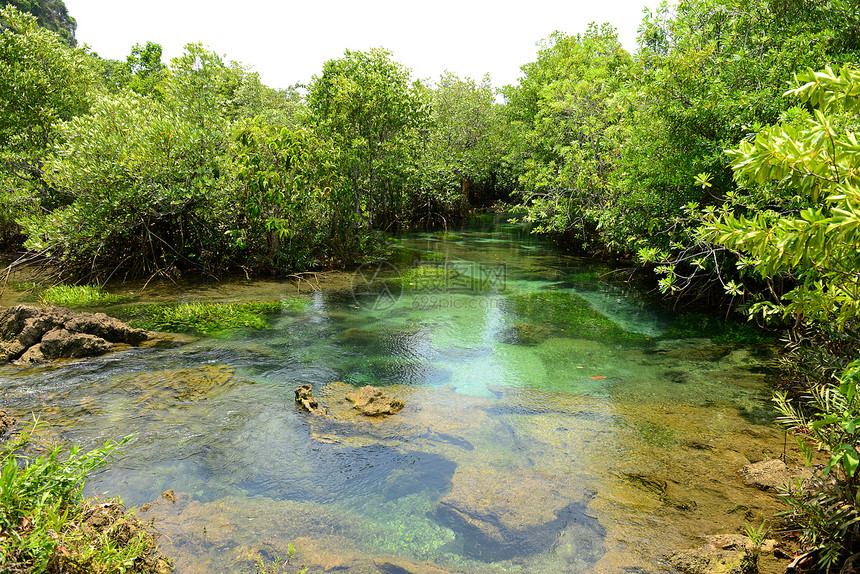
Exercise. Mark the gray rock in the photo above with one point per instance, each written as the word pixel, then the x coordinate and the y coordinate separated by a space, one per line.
pixel 32 334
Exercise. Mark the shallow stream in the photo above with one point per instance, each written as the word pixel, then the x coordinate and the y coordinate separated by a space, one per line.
pixel 536 437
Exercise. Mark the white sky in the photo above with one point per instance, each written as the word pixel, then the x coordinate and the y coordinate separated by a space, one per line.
pixel 288 41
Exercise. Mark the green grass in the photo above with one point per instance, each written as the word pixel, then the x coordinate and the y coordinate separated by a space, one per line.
pixel 210 319
pixel 717 329
pixel 42 513
pixel 572 314
pixel 78 296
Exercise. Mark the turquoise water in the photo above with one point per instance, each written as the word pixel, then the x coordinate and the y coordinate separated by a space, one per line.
pixel 530 442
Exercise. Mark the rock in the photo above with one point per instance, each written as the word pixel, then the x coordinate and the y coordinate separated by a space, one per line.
pixel 370 401
pixel 500 516
pixel 709 560
pixel 31 334
pixel 740 542
pixel 305 399
pixel 772 475
pixel 7 421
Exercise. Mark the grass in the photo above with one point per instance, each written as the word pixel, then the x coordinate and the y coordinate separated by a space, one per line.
pixel 210 319
pixel 44 518
pixel 572 314
pixel 78 296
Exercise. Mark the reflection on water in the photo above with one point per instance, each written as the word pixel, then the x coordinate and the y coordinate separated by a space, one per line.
pixel 548 427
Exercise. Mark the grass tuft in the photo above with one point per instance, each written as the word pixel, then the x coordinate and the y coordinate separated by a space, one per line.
pixel 78 296
pixel 211 319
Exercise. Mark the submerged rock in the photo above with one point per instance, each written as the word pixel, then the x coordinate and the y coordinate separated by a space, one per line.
pixel 305 399
pixel 709 560
pixel 500 516
pixel 723 554
pixel 370 401
pixel 31 334
pixel 530 334
pixel 772 475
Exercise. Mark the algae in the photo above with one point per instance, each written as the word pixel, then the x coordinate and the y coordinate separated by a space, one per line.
pixel 571 313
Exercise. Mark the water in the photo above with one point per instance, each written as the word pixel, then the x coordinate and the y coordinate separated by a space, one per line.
pixel 530 443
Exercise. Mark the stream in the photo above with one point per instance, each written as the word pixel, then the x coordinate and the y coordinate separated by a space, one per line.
pixel 551 424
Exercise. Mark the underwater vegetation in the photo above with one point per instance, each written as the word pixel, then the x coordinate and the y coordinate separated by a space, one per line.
pixel 572 314
pixel 210 319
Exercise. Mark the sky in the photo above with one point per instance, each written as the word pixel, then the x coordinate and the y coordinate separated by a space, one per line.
pixel 287 42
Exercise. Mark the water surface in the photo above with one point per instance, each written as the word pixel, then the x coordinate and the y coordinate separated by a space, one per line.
pixel 529 443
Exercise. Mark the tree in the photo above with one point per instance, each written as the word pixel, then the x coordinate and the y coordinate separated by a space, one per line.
pixel 565 112
pixel 42 83
pixel 462 162
pixel 711 72
pixel 365 104
pixel 820 244
pixel 51 15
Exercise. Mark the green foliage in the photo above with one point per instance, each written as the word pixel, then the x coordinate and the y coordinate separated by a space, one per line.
pixel 817 245
pixel 462 160
pixel 209 319
pixel 42 83
pixel 143 190
pixel 51 15
pixel 287 179
pixel 42 510
pixel 365 106
pixel 571 314
pixel 566 137
pixel 78 296
pixel 825 508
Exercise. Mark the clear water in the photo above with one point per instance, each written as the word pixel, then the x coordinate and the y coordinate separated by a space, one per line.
pixel 564 453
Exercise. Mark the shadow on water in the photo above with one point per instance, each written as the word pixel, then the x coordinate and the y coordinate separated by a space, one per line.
pixel 340 473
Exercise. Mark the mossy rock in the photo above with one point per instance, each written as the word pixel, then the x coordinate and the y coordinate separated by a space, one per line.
pixel 571 313
pixel 530 334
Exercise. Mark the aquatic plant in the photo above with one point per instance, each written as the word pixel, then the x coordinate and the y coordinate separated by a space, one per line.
pixel 211 319
pixel 717 329
pixel 446 236
pixel 426 279
pixel 570 313
pixel 43 515
pixel 79 296
pixel 433 256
